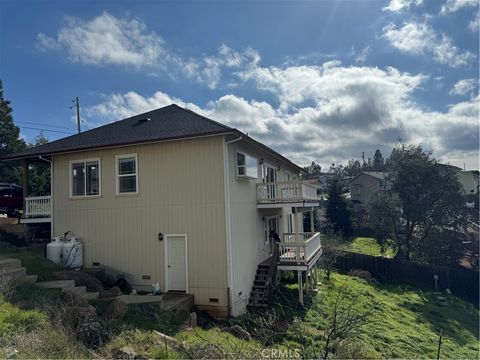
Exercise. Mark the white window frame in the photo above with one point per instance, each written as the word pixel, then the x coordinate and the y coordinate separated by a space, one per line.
pixel 248 177
pixel 85 161
pixel 117 175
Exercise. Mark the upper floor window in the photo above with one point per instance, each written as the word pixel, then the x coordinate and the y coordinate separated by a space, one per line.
pixel 85 177
pixel 356 190
pixel 247 166
pixel 127 174
pixel 385 184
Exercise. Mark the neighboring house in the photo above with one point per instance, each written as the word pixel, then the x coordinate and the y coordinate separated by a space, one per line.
pixel 170 196
pixel 469 181
pixel 365 184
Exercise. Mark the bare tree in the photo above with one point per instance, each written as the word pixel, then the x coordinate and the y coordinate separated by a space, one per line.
pixel 346 319
pixel 331 244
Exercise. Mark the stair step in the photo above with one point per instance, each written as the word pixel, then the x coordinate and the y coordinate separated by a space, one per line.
pixel 78 290
pixel 65 285
pixel 13 273
pixel 91 295
pixel 9 263
pixel 28 279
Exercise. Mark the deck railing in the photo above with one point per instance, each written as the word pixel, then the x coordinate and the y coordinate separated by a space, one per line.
pixel 286 191
pixel 298 249
pixel 38 206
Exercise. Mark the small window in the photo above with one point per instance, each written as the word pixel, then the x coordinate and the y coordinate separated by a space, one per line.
pixel 127 180
pixel 356 190
pixel 85 178
pixel 246 166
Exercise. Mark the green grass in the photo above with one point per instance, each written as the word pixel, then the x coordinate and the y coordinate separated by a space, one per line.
pixel 33 261
pixel 369 246
pixel 409 320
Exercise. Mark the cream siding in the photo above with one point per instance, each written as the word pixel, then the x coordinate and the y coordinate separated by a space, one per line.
pixel 368 186
pixel 247 232
pixel 180 191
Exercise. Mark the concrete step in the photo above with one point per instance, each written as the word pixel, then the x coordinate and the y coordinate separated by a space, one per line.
pixel 91 295
pixel 65 285
pixel 78 291
pixel 13 273
pixel 9 263
pixel 32 279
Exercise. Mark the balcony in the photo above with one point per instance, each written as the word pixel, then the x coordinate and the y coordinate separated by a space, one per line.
pixel 293 193
pixel 300 250
pixel 37 209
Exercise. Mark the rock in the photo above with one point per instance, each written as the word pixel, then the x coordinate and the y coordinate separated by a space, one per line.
pixel 192 320
pixel 81 278
pixel 116 310
pixel 111 293
pixel 239 332
pixel 181 315
pixel 125 352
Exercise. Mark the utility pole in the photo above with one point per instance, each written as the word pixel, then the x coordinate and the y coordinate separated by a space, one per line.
pixel 77 105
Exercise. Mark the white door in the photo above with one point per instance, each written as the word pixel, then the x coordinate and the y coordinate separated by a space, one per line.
pixel 176 261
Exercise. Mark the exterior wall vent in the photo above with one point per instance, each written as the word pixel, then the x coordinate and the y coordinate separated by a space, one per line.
pixel 213 300
pixel 146 277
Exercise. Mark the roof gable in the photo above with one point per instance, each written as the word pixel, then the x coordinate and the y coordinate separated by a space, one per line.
pixel 169 122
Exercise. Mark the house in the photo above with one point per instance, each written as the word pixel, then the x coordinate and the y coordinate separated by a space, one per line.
pixel 469 181
pixel 173 197
pixel 365 184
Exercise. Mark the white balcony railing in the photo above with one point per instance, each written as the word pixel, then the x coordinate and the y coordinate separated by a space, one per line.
pixel 298 249
pixel 286 191
pixel 38 206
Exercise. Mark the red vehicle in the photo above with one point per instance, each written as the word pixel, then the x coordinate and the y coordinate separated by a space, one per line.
pixel 11 199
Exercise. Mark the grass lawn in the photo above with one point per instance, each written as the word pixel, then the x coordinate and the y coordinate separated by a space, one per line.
pixel 369 246
pixel 33 261
pixel 409 320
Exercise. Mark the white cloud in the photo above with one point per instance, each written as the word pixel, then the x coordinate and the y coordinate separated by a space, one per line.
pixel 455 5
pixel 474 24
pixel 362 57
pixel 108 40
pixel 419 38
pixel 464 87
pixel 399 5
pixel 326 113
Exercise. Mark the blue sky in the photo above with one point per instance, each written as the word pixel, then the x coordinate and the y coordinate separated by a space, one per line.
pixel 316 80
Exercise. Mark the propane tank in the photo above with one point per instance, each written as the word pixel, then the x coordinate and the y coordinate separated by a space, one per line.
pixel 54 250
pixel 72 253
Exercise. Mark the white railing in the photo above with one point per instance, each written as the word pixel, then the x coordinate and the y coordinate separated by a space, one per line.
pixel 38 206
pixel 286 191
pixel 298 249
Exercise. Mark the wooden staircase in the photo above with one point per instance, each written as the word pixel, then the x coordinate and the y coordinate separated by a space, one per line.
pixel 263 283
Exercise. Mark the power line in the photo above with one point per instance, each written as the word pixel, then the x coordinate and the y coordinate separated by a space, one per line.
pixel 57 131
pixel 46 125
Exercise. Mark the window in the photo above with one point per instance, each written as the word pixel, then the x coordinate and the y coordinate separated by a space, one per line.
pixel 85 178
pixel 289 223
pixel 246 166
pixel 127 179
pixel 384 184
pixel 356 190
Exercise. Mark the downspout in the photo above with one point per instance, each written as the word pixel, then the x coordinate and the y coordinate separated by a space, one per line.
pixel 51 191
pixel 228 225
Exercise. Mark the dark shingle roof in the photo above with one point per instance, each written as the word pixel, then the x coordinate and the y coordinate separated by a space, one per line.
pixel 169 122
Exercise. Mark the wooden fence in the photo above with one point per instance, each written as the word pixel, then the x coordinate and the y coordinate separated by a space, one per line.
pixel 461 282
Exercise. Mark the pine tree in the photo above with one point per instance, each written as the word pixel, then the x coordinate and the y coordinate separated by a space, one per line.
pixel 337 211
pixel 378 161
pixel 9 140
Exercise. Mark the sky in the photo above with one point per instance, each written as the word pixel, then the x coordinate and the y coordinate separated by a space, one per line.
pixel 319 81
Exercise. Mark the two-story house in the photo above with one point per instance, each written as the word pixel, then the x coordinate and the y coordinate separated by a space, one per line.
pixel 365 184
pixel 173 197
